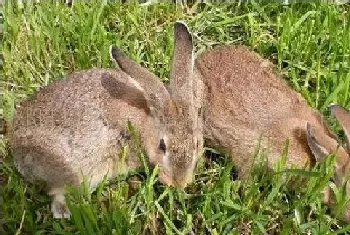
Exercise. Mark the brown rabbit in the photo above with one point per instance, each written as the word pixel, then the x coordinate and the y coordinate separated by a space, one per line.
pixel 77 127
pixel 184 116
pixel 245 99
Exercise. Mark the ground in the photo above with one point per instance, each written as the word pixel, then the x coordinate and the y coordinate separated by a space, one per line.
pixel 310 45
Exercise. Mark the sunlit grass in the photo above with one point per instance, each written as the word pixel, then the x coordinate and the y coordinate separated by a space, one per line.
pixel 310 45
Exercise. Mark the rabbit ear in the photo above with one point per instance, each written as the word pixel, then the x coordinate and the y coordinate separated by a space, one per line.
pixel 129 92
pixel 181 76
pixel 322 145
pixel 315 142
pixel 343 117
pixel 147 80
pixel 155 91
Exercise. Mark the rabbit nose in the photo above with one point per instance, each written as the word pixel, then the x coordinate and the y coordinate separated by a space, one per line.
pixel 170 181
pixel 182 180
pixel 165 179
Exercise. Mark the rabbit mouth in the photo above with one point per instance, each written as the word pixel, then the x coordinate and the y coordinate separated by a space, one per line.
pixel 165 178
pixel 170 181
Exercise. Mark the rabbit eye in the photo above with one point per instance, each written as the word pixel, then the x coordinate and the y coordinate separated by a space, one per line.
pixel 162 146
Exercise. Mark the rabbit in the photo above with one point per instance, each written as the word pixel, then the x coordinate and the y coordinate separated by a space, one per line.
pixel 245 100
pixel 76 129
pixel 242 100
pixel 183 112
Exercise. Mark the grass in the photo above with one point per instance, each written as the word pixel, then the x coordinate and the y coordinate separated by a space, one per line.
pixel 309 43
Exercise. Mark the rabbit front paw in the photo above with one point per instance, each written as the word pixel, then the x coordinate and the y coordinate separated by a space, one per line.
pixel 59 208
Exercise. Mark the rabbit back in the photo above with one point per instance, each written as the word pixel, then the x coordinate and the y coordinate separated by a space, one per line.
pixel 75 127
pixel 245 100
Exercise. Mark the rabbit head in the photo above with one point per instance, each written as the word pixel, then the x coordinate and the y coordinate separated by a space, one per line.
pixel 322 145
pixel 177 109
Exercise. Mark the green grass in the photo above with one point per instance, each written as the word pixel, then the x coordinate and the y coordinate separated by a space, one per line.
pixel 309 43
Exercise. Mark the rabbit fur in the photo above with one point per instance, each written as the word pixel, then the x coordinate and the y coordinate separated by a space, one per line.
pixel 243 100
pixel 76 128
pixel 246 99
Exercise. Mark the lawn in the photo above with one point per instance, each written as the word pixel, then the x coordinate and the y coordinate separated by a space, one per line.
pixel 310 45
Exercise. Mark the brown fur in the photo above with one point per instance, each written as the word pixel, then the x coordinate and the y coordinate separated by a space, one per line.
pixel 246 99
pixel 239 97
pixel 77 127
pixel 122 91
pixel 180 110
